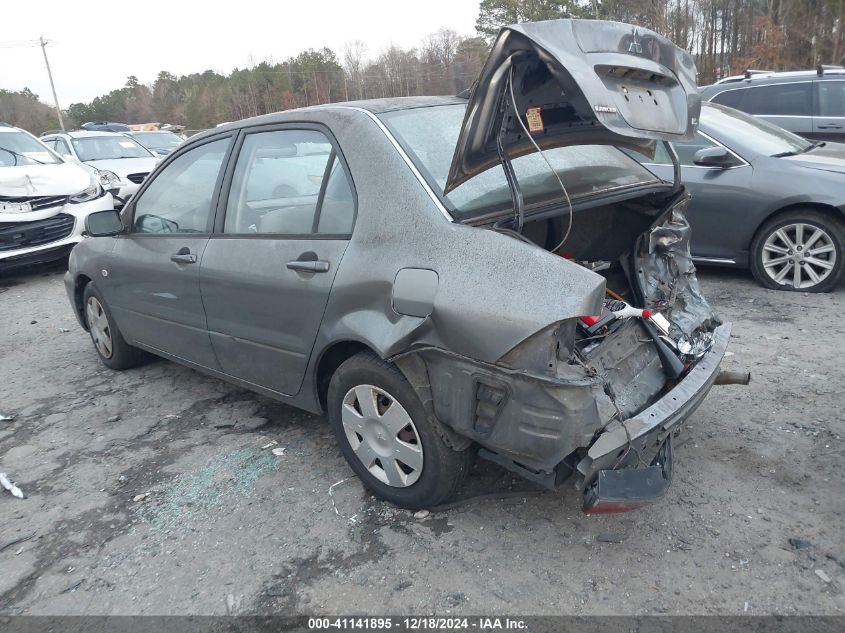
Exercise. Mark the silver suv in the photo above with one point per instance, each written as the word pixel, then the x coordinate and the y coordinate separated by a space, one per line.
pixel 810 103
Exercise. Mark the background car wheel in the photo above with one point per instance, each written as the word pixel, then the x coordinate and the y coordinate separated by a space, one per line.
pixel 385 435
pixel 800 251
pixel 111 347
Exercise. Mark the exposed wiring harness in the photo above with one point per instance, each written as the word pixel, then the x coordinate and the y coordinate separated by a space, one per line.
pixel 543 156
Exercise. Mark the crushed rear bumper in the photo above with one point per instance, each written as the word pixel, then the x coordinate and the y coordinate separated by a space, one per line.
pixel 608 481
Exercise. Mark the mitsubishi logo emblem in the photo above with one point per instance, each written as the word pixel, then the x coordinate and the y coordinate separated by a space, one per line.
pixel 635 46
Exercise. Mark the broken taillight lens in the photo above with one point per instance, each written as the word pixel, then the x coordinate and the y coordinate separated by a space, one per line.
pixel 590 321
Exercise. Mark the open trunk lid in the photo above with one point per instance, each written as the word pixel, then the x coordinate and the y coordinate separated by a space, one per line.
pixel 576 82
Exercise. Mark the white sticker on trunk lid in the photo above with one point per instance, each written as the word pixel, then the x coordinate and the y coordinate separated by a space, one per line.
pixel 535 119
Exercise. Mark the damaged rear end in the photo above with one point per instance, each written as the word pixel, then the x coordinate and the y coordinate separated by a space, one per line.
pixel 598 394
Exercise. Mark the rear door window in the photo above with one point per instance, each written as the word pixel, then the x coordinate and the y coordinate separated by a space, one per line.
pixel 830 98
pixel 289 182
pixel 792 99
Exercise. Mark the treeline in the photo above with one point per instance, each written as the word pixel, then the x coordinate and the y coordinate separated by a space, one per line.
pixel 23 109
pixel 725 37
pixel 444 63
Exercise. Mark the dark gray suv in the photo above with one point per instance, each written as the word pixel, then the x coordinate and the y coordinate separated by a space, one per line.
pixel 809 103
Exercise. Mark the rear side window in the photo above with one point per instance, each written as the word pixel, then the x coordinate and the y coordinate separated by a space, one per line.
pixel 730 98
pixel 783 99
pixel 831 98
pixel 289 182
pixel 180 198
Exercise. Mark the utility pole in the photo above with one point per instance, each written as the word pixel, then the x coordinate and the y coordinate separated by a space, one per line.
pixel 52 85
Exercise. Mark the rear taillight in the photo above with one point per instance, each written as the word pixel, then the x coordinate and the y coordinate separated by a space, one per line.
pixel 590 321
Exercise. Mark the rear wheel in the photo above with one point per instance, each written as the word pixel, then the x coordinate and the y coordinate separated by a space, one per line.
pixel 387 438
pixel 799 251
pixel 111 347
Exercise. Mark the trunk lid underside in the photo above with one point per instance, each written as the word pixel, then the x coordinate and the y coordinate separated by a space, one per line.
pixel 576 82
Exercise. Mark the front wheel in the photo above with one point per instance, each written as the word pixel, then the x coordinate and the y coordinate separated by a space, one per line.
pixel 799 251
pixel 387 438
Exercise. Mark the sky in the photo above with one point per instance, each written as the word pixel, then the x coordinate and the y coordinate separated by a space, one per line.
pixel 94 47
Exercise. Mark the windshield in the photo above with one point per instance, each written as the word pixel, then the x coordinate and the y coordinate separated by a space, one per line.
pixel 757 134
pixel 157 140
pixel 19 148
pixel 106 147
pixel 430 134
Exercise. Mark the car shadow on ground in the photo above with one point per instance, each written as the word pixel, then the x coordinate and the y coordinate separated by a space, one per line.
pixel 21 274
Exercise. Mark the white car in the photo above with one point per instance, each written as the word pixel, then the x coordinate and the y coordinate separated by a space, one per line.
pixel 120 162
pixel 44 200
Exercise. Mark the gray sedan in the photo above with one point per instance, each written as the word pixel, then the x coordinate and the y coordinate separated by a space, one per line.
pixel 417 270
pixel 763 198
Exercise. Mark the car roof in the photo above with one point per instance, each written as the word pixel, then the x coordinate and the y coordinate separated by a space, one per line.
pixel 84 133
pixel 376 106
pixel 764 78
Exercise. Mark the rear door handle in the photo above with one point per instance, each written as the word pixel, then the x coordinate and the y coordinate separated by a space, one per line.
pixel 184 256
pixel 309 266
pixel 829 126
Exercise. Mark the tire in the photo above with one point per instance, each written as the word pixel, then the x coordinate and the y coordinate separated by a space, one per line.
pixel 111 347
pixel 782 243
pixel 375 413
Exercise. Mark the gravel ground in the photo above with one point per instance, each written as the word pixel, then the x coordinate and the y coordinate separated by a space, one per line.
pixel 151 492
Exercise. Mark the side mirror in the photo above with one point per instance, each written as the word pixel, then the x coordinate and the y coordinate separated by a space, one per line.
pixel 104 223
pixel 712 157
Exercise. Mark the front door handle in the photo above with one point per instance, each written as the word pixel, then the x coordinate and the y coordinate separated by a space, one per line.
pixel 309 266
pixel 829 126
pixel 184 256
